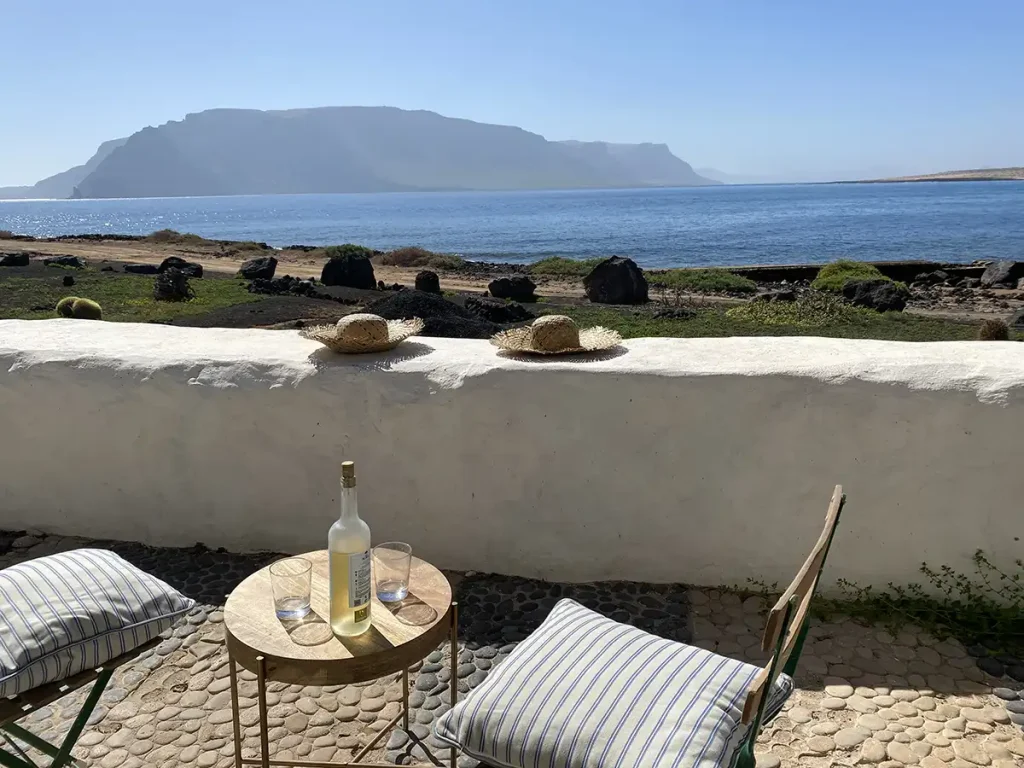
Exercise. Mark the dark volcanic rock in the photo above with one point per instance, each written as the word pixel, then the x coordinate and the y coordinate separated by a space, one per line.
pixel 172 285
pixel 932 278
pixel 518 288
pixel 1002 274
pixel 1016 320
pixel 497 311
pixel 440 316
pixel 107 268
pixel 428 281
pixel 879 295
pixel 13 259
pixel 780 295
pixel 616 281
pixel 190 269
pixel 68 281
pixel 350 271
pixel 283 285
pixel 64 261
pixel 142 269
pixel 263 267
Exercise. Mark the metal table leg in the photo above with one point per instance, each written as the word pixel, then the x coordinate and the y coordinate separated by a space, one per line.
pixel 454 664
pixel 234 710
pixel 261 693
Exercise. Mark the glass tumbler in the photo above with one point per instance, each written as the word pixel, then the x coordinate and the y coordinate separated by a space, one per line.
pixel 290 581
pixel 391 563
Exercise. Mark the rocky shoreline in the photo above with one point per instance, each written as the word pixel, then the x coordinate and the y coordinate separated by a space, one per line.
pixel 959 292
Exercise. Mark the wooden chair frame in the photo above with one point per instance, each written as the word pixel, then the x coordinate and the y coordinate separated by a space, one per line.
pixel 786 630
pixel 24 704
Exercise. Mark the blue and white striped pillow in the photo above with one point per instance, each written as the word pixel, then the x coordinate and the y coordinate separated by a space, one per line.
pixel 65 613
pixel 585 691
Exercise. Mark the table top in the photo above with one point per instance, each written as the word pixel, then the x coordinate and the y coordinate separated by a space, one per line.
pixel 306 651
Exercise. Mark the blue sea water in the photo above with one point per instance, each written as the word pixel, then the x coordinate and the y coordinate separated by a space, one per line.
pixel 724 226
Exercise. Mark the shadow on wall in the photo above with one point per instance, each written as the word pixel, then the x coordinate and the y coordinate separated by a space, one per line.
pixel 324 359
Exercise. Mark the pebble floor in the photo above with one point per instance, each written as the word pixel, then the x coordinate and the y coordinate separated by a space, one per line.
pixel 863 697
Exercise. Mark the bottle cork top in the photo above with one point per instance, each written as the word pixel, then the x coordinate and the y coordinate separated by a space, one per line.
pixel 348 473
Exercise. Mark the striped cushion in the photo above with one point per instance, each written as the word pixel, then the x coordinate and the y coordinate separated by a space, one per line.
pixel 584 691
pixel 66 613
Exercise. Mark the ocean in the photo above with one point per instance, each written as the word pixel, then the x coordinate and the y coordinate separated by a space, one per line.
pixel 715 226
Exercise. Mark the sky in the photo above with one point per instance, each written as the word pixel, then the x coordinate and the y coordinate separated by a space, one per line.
pixel 769 90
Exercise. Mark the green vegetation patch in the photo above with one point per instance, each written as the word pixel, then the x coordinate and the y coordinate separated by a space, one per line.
pixel 414 256
pixel 983 609
pixel 173 237
pixel 832 277
pixel 715 322
pixel 712 280
pixel 811 310
pixel 227 247
pixel 124 298
pixel 347 251
pixel 560 266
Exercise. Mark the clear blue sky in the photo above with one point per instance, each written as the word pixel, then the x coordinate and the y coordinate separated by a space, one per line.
pixel 775 88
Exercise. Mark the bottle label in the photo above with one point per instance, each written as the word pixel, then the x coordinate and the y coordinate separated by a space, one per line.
pixel 359 580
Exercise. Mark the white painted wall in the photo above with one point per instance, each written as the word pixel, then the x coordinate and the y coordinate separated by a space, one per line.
pixel 705 461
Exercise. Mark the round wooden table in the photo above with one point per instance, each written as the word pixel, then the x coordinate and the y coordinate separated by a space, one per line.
pixel 307 652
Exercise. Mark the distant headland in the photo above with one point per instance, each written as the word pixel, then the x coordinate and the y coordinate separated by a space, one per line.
pixel 351 149
pixel 977 174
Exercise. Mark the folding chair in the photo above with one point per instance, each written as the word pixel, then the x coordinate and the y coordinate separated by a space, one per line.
pixel 21 706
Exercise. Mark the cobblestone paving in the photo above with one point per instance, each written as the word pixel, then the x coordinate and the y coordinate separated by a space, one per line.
pixel 863 696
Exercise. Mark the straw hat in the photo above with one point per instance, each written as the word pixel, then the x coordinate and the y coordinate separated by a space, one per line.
pixel 363 333
pixel 555 335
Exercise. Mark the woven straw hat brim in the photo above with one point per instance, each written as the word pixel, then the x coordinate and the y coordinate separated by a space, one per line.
pixel 398 331
pixel 593 339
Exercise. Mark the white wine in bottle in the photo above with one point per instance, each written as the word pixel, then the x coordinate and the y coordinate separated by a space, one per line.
pixel 348 546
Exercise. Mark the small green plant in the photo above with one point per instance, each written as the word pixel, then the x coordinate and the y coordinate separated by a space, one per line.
pixel 64 306
pixel 985 608
pixel 86 309
pixel 714 280
pixel 994 330
pixel 810 310
pixel 833 277
pixel 347 251
pixel 250 245
pixel 413 256
pixel 560 266
pixel 80 309
pixel 175 237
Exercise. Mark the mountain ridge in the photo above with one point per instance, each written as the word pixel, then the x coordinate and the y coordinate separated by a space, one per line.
pixel 355 149
pixel 62 185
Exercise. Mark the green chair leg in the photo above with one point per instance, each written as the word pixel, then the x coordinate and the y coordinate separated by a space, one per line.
pixel 61 756
pixel 746 758
pixel 18 760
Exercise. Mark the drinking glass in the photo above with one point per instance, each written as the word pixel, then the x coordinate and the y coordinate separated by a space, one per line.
pixel 391 570
pixel 290 581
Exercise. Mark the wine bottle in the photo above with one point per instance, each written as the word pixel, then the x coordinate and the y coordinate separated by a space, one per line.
pixel 348 547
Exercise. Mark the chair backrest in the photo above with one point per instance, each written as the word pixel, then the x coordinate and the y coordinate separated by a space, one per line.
pixel 787 622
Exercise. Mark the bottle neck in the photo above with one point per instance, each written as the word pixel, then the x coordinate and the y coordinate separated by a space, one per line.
pixel 349 505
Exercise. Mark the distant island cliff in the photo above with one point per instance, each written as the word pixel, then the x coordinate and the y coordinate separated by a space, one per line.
pixel 976 174
pixel 352 149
